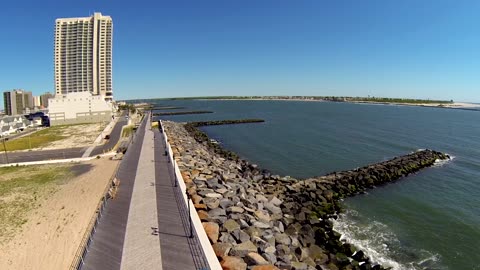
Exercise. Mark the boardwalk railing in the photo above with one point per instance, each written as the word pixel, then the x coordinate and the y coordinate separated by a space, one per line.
pixel 194 221
pixel 82 250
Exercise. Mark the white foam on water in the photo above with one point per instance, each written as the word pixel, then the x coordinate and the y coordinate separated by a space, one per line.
pixel 371 245
pixel 429 259
pixel 441 162
pixel 379 243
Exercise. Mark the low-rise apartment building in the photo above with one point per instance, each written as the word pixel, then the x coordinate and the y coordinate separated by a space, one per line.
pixel 80 107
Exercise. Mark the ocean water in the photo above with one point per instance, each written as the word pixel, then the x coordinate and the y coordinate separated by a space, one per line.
pixel 430 220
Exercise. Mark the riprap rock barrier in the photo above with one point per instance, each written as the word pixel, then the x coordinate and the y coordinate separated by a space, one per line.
pixel 256 220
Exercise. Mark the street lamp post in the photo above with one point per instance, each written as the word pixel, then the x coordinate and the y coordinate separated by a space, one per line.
pixel 5 148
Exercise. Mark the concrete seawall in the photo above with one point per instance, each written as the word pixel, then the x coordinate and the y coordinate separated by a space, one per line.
pixel 262 221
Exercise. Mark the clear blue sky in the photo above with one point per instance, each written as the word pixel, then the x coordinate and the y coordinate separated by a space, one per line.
pixel 409 48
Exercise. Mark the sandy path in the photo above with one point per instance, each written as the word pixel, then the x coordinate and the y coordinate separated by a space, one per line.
pixel 53 232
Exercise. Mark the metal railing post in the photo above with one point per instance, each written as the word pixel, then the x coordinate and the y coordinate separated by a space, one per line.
pixel 189 217
pixel 174 174
pixel 5 148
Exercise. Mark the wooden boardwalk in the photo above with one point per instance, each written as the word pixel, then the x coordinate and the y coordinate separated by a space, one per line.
pixel 126 237
pixel 141 249
pixel 173 237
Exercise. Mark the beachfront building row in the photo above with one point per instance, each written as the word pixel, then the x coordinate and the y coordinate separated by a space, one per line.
pixel 13 124
pixel 18 101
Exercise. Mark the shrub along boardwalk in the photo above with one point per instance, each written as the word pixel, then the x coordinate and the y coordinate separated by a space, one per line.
pixel 142 228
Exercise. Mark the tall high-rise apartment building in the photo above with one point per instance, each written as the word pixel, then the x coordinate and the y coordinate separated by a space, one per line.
pixel 44 99
pixel 17 102
pixel 83 55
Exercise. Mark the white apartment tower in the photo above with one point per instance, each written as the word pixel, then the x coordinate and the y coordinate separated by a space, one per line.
pixel 83 55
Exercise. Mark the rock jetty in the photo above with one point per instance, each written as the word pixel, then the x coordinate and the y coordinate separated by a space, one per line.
pixel 256 220
pixel 201 137
pixel 180 113
pixel 159 108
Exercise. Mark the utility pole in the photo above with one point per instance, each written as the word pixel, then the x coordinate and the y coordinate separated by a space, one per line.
pixel 5 148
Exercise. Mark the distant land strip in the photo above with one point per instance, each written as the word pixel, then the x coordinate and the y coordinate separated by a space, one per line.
pixel 327 98
pixel 181 113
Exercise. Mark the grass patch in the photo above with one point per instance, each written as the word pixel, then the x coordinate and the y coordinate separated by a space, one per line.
pixel 22 189
pixel 31 141
pixel 127 130
pixel 40 138
pixel 35 140
pixel 155 124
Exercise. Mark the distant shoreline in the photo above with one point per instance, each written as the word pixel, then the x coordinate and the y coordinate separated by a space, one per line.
pixel 454 105
pixel 355 100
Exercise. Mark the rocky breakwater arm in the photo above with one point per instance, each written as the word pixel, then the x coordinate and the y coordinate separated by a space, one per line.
pixel 159 108
pixel 201 137
pixel 262 221
pixel 311 204
pixel 181 113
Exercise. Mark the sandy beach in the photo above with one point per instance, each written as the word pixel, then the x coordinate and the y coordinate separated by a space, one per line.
pixel 52 233
pixel 454 105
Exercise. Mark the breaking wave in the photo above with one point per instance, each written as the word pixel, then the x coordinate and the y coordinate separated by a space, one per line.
pixel 381 244
pixel 441 162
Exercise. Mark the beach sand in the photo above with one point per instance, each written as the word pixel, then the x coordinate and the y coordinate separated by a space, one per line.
pixel 53 232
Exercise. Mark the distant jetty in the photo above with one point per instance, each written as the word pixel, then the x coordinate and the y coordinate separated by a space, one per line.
pixel 181 113
pixel 166 108
pixel 254 218
pixel 198 135
pixel 224 122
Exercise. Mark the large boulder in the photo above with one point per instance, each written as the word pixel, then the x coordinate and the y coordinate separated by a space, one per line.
pixel 318 254
pixel 231 225
pixel 265 267
pixel 221 249
pixel 243 249
pixel 233 263
pixel 212 230
pixel 254 258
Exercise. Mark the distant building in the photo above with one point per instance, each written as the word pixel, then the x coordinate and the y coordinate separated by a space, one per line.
pixel 36 102
pixel 38 119
pixel 44 99
pixel 17 102
pixel 12 124
pixel 83 55
pixel 81 107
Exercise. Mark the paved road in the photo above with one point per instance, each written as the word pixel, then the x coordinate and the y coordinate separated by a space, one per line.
pixel 14 157
pixel 114 137
pixel 26 156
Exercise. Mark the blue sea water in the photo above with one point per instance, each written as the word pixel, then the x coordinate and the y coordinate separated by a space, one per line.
pixel 430 220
